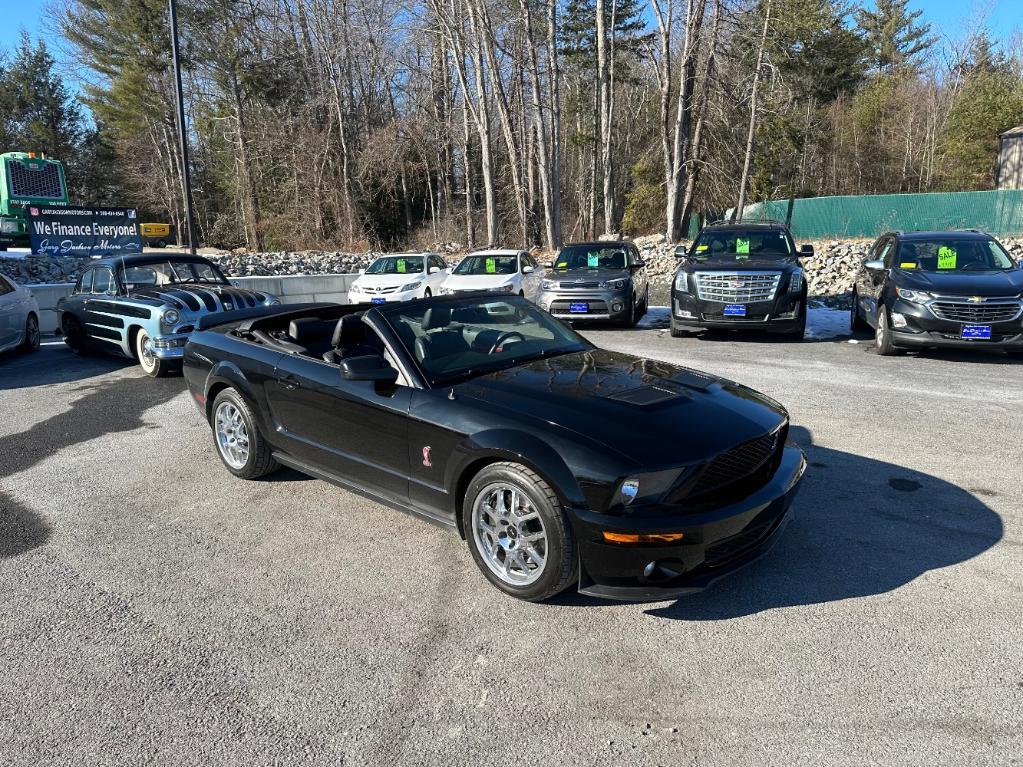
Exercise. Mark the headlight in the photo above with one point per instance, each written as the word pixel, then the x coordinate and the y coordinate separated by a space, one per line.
pixel 796 281
pixel 682 282
pixel 507 288
pixel 171 317
pixel 615 284
pixel 628 491
pixel 549 285
pixel 355 288
pixel 913 296
pixel 411 286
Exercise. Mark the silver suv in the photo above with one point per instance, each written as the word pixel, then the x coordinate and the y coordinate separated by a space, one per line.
pixel 604 281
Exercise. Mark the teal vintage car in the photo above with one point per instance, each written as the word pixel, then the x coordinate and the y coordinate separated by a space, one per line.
pixel 145 306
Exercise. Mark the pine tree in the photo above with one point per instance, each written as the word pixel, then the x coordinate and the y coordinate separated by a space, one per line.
pixel 894 35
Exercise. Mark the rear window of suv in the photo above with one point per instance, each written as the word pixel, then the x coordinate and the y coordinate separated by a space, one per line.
pixel 741 245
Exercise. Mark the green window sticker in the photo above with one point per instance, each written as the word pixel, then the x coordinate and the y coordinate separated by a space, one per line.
pixel 908 265
pixel 592 259
pixel 701 248
pixel 742 246
pixel 562 265
pixel 491 265
pixel 401 266
pixel 946 257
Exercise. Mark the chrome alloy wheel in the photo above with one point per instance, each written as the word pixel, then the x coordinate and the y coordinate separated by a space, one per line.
pixel 232 437
pixel 509 534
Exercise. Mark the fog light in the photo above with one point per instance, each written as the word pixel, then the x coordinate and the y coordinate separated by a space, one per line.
pixel 616 307
pixel 642 537
pixel 790 315
pixel 685 314
pixel 898 320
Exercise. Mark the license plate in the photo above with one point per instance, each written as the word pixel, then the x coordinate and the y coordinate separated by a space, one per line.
pixel 579 308
pixel 735 310
pixel 378 300
pixel 977 332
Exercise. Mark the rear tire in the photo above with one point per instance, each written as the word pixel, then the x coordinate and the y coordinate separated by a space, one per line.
pixel 74 334
pixel 151 365
pixel 31 342
pixel 239 444
pixel 518 533
pixel 856 322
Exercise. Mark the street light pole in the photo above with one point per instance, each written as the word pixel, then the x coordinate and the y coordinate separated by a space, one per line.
pixel 186 174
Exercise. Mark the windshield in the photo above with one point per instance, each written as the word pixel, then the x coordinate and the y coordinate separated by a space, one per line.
pixel 396 265
pixel 454 341
pixel 172 271
pixel 484 264
pixel 592 257
pixel 951 254
pixel 738 245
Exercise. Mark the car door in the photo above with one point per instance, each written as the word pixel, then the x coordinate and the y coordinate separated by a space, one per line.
pixel 100 315
pixel 354 430
pixel 531 280
pixel 640 280
pixel 8 310
pixel 874 279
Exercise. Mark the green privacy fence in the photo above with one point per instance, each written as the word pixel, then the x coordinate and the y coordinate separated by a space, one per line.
pixel 866 216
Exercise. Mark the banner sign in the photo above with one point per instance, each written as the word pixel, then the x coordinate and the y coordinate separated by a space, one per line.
pixel 68 231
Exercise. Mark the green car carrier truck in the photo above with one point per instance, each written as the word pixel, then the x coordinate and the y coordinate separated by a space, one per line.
pixel 26 179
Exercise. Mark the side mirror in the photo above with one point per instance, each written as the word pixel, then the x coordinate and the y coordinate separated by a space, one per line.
pixel 370 367
pixel 681 251
pixel 434 269
pixel 640 264
pixel 527 270
pixel 548 265
pixel 806 250
pixel 874 265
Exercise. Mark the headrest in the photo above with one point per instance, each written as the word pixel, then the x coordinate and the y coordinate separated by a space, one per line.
pixel 437 317
pixel 349 330
pixel 307 330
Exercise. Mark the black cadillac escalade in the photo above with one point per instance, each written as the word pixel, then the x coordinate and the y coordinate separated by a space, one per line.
pixel 740 275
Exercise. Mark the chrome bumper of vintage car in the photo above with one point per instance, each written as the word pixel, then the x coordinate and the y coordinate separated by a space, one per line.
pixel 170 346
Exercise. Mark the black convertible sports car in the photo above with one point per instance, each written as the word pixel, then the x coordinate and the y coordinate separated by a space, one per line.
pixel 556 461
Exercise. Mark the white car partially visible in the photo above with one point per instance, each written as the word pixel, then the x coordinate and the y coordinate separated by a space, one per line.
pixel 19 317
pixel 502 271
pixel 399 277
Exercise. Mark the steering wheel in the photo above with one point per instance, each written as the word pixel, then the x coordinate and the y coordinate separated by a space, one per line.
pixel 506 336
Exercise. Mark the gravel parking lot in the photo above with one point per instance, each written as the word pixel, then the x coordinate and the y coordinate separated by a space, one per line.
pixel 156 610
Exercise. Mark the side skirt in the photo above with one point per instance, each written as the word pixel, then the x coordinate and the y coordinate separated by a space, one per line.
pixel 326 476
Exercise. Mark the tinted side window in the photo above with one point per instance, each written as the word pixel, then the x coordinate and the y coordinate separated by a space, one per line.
pixel 887 253
pixel 5 286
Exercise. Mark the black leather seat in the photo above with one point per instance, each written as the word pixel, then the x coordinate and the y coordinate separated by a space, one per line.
pixel 350 339
pixel 437 342
pixel 311 334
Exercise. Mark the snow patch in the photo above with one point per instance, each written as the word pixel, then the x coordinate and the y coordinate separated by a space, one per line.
pixel 656 318
pixel 823 323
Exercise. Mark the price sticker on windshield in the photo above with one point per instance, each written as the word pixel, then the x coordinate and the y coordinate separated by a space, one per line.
pixel 592 259
pixel 742 246
pixel 491 265
pixel 946 257
pixel 401 265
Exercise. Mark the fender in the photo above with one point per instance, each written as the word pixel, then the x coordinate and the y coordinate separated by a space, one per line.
pixel 227 373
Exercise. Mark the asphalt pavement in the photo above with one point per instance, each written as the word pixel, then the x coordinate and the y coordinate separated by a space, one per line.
pixel 156 610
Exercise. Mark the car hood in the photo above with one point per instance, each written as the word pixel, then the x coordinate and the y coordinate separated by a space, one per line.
pixel 201 298
pixel 962 283
pixel 587 275
pixel 758 264
pixel 477 281
pixel 656 414
pixel 388 280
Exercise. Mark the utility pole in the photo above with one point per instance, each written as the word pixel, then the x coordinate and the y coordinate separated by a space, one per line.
pixel 186 174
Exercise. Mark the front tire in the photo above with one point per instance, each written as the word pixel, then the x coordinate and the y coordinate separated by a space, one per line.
pixel 883 336
pixel 151 365
pixel 800 332
pixel 632 313
pixel 239 444
pixel 678 331
pixel 427 293
pixel 518 533
pixel 856 322
pixel 31 342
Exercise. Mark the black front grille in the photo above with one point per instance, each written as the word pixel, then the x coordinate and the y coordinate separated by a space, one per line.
pixel 730 548
pixel 42 183
pixel 737 463
pixel 981 313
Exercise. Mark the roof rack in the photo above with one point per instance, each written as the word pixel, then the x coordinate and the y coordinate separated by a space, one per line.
pixel 770 221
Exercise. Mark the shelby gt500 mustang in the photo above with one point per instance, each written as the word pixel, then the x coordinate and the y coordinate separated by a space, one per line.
pixel 557 461
pixel 144 306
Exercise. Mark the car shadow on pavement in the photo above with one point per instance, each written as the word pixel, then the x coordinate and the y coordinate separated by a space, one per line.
pixel 54 363
pixel 861 527
pixel 112 406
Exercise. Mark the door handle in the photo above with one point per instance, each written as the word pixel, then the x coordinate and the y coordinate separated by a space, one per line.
pixel 289 382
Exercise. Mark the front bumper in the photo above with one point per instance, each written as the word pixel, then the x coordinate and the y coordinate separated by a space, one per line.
pixel 169 347
pixel 600 305
pixel 716 543
pixel 781 314
pixel 355 297
pixel 922 329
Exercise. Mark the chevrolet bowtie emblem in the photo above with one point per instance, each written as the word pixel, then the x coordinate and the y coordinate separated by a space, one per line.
pixel 976 299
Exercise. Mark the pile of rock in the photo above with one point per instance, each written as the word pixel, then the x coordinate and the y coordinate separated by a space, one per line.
pixel 241 263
